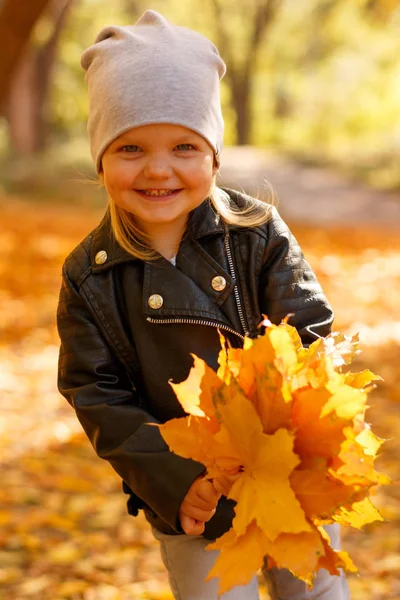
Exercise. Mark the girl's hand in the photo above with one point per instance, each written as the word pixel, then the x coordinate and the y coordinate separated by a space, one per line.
pixel 198 506
pixel 223 483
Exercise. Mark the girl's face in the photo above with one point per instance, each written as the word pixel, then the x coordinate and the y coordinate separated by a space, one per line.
pixel 159 173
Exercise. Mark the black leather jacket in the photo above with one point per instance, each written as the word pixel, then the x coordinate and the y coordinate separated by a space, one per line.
pixel 117 353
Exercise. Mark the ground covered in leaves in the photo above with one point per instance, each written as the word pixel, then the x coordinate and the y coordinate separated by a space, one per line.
pixel 64 529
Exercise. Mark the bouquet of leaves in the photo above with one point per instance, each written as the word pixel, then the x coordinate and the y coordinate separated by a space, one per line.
pixel 290 424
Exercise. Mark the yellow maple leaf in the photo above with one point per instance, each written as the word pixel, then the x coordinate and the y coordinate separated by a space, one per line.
pixel 285 350
pixel 188 392
pixel 354 466
pixel 293 333
pixel 331 559
pixel 315 368
pixel 361 514
pixel 299 553
pixel 346 401
pixel 195 394
pixel 191 437
pixel 341 348
pixel 229 359
pixel 230 566
pixel 369 441
pixel 362 379
pixel 263 490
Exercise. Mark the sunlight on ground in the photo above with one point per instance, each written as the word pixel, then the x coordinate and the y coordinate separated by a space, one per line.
pixel 65 531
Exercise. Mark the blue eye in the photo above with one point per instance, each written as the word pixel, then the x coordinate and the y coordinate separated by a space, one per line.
pixel 130 148
pixel 184 147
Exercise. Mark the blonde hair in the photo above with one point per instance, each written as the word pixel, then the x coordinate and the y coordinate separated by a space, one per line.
pixel 133 240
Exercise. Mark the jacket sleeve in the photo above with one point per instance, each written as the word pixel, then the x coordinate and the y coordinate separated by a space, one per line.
pixel 289 286
pixel 110 411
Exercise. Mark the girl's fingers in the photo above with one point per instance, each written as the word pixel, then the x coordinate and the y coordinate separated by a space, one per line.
pixel 223 483
pixel 198 514
pixel 202 504
pixel 191 526
pixel 222 487
pixel 207 492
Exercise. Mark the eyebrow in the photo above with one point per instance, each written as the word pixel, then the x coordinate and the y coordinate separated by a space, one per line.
pixel 133 140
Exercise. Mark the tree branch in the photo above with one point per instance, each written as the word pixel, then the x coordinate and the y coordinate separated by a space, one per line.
pixel 17 19
pixel 263 19
pixel 223 43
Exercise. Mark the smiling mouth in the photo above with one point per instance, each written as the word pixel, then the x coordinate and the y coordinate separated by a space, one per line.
pixel 158 193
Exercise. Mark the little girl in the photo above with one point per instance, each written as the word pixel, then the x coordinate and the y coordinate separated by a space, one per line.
pixel 174 260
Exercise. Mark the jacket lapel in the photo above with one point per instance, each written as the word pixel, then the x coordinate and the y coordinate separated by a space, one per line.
pixel 186 290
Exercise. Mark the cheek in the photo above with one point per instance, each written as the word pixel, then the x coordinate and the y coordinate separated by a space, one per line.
pixel 118 178
pixel 201 173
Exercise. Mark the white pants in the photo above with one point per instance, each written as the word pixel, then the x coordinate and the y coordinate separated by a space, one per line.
pixel 188 564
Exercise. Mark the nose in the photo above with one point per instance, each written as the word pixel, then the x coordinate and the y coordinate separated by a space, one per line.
pixel 157 166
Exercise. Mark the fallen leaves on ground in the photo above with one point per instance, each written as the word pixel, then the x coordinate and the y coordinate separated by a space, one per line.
pixel 48 518
pixel 65 532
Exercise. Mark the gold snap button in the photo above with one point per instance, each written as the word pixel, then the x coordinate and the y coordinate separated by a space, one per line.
pixel 155 301
pixel 101 257
pixel 218 283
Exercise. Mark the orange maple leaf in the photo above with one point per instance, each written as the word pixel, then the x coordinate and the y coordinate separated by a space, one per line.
pixel 264 376
pixel 315 436
pixel 320 494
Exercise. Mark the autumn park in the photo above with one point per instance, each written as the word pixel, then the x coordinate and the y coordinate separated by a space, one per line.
pixel 311 102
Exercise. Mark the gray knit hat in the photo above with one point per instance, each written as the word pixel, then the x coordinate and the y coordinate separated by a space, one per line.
pixel 152 72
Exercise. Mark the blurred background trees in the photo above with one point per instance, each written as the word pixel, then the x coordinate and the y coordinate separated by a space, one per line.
pixel 26 104
pixel 318 80
pixel 16 24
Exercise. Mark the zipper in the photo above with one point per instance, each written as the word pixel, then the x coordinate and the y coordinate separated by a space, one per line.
pixel 236 289
pixel 194 322
pixel 211 323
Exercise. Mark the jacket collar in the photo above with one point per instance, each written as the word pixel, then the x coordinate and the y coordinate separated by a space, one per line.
pixel 203 221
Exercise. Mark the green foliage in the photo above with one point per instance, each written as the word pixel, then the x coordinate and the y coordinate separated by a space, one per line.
pixel 326 84
pixel 336 71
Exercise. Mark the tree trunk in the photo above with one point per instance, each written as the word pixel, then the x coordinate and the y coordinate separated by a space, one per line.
pixel 26 107
pixel 241 98
pixel 17 19
pixel 240 76
pixel 21 105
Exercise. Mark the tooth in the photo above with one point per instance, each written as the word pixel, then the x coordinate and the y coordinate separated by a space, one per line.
pixel 157 192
